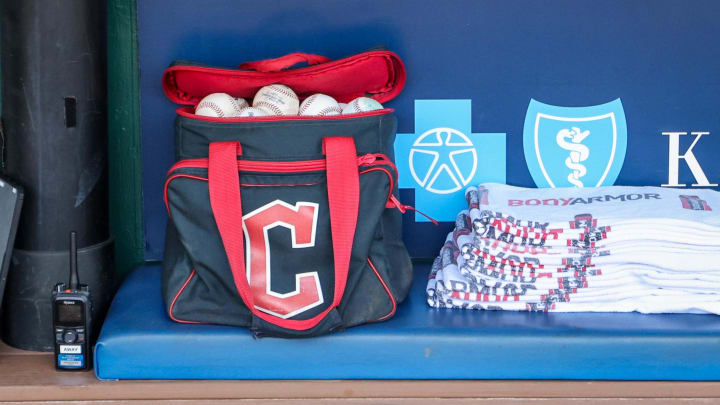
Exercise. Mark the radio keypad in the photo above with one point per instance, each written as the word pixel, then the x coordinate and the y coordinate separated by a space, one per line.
pixel 70 337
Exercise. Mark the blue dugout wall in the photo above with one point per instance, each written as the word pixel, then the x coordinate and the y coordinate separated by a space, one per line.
pixel 492 88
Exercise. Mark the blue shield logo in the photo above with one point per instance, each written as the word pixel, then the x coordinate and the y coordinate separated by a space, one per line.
pixel 575 146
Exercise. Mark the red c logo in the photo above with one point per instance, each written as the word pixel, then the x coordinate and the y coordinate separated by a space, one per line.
pixel 301 220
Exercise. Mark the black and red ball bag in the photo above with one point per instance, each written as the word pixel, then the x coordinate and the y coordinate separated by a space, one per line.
pixel 289 225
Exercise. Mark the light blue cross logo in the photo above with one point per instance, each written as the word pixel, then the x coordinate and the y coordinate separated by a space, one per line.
pixel 443 157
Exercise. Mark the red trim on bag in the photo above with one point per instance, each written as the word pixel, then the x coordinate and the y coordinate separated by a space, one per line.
pixel 189 112
pixel 257 165
pixel 376 159
pixel 392 182
pixel 281 185
pixel 283 167
pixel 188 164
pixel 167 184
pixel 189 176
pixel 172 304
pixel 387 290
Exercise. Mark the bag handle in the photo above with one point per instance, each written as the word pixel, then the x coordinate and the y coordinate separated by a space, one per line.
pixel 283 62
pixel 343 186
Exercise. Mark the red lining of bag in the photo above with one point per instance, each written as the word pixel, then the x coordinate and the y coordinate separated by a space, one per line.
pixel 180 291
pixel 387 290
pixel 284 62
pixel 376 74
pixel 189 112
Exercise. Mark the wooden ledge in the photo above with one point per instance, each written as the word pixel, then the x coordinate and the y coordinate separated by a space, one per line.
pixel 30 376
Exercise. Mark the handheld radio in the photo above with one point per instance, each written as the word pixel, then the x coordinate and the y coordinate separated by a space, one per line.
pixel 72 324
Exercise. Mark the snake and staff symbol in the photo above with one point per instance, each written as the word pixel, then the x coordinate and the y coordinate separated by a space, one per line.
pixel 578 153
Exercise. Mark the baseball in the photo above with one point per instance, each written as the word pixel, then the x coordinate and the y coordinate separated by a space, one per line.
pixel 218 105
pixel 319 104
pixel 342 106
pixel 361 104
pixel 252 112
pixel 242 103
pixel 277 99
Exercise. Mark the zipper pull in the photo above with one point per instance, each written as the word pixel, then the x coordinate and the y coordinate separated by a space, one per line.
pixel 367 159
pixel 395 203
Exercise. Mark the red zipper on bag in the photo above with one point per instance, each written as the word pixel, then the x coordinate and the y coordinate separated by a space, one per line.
pixel 369 159
pixel 283 167
pixel 256 165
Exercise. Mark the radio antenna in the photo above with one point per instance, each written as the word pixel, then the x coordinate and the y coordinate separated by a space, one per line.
pixel 74 281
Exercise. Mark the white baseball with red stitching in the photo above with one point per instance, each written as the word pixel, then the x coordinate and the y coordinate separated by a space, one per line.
pixel 320 105
pixel 218 105
pixel 252 112
pixel 361 104
pixel 277 99
pixel 242 103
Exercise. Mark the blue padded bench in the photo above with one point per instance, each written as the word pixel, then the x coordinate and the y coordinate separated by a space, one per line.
pixel 139 341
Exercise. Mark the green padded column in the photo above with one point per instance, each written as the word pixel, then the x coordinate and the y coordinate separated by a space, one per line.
pixel 126 222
